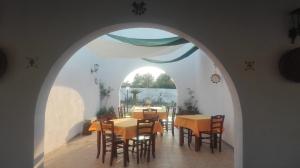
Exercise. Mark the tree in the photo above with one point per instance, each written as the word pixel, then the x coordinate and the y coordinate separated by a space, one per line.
pixel 164 81
pixel 148 80
pixel 125 84
pixel 143 81
pixel 137 81
pixel 134 93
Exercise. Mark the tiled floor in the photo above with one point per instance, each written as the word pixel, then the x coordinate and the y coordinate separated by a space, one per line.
pixel 81 153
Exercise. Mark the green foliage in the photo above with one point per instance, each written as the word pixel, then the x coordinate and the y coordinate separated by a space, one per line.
pixel 147 81
pixel 143 81
pixel 135 92
pixel 105 111
pixel 102 111
pixel 191 103
pixel 104 91
pixel 164 81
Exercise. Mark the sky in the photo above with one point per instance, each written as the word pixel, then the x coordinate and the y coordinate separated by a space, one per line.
pixel 152 70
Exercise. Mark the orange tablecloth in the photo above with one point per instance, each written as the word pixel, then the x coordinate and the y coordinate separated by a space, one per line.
pixel 125 127
pixel 196 123
pixel 139 114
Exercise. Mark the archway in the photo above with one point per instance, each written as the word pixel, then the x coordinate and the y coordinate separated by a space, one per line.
pixel 43 95
pixel 147 85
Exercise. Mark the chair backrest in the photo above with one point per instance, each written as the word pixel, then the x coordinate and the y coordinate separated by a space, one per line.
pixel 153 110
pixel 107 127
pixel 216 123
pixel 168 110
pixel 173 113
pixel 121 112
pixel 145 110
pixel 145 127
pixel 150 115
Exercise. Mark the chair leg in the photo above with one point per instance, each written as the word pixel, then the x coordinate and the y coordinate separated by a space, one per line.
pixel 200 141
pixel 133 146
pixel 148 150
pixel 167 125
pixel 112 152
pixel 220 142
pixel 142 149
pixel 98 143
pixel 137 152
pixel 212 143
pixel 172 128
pixel 153 145
pixel 189 138
pixel 103 149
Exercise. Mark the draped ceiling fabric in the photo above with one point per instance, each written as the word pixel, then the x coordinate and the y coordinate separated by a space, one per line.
pixel 119 46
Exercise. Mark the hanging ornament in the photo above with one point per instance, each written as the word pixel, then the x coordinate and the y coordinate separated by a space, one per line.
pixel 215 77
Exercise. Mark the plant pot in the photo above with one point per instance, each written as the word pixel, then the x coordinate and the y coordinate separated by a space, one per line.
pixel 86 126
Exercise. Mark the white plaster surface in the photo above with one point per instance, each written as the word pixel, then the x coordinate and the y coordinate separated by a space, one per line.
pixel 231 31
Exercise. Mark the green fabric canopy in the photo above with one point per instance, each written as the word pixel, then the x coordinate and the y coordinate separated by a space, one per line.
pixel 188 53
pixel 157 43
pixel 150 42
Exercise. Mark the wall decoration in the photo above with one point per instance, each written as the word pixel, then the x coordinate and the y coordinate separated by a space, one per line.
pixel 295 25
pixel 289 65
pixel 215 77
pixel 3 63
pixel 95 68
pixel 139 8
pixel 32 62
pixel 249 65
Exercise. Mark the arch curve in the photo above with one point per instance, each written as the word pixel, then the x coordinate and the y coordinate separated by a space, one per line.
pixel 57 66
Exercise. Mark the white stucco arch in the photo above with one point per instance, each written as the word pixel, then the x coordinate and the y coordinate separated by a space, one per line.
pixel 49 80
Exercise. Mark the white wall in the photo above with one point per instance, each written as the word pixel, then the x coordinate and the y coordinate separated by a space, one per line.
pixel 74 97
pixel 192 72
pixel 215 98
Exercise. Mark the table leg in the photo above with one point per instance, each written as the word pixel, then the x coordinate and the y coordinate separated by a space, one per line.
pixel 126 156
pixel 197 142
pixel 98 143
pixel 181 136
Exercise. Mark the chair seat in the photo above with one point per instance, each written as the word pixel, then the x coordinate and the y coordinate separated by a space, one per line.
pixel 211 132
pixel 142 138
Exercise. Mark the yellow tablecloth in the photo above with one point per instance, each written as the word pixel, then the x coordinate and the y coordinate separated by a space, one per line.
pixel 139 115
pixel 137 112
pixel 125 127
pixel 196 123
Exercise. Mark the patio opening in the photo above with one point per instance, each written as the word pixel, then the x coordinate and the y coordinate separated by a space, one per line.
pixel 164 72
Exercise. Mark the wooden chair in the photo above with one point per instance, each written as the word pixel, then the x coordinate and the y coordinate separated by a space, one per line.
pixel 121 112
pixel 112 141
pixel 215 133
pixel 150 115
pixel 168 123
pixel 145 139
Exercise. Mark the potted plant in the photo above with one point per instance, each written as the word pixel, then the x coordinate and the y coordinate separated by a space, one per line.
pixel 106 113
pixel 190 105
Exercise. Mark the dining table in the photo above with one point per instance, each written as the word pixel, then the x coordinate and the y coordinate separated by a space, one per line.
pixel 137 112
pixel 124 127
pixel 196 123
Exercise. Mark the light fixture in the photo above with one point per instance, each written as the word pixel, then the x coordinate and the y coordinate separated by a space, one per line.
pixel 295 25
